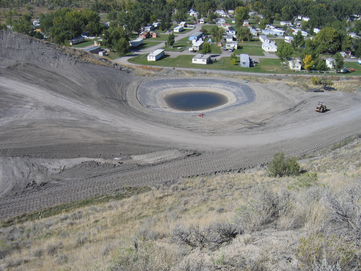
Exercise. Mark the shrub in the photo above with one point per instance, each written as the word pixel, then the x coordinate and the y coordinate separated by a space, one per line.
pixel 318 250
pixel 211 237
pixel 264 207
pixel 282 166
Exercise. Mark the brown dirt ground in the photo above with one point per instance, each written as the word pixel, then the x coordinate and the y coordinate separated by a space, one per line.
pixel 72 130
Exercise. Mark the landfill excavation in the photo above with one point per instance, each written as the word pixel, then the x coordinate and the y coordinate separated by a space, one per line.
pixel 72 130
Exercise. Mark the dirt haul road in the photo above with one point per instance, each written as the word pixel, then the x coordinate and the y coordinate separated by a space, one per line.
pixel 72 130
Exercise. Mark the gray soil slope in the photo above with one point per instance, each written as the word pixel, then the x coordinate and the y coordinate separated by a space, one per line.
pixel 72 130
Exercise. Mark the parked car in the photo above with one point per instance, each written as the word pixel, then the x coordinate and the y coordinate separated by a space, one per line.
pixel 351 69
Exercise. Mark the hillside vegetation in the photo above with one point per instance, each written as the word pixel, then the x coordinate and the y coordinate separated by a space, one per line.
pixel 244 221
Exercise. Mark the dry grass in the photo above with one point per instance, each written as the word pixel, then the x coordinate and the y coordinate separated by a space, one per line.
pixel 136 233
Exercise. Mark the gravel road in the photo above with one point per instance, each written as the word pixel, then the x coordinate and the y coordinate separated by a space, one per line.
pixel 71 130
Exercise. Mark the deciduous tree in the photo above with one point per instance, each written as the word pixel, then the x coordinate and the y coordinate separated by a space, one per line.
pixel 285 50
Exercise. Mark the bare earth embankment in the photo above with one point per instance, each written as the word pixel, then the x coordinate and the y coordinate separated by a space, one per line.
pixel 71 130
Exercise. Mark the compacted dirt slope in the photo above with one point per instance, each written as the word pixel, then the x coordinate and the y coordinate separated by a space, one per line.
pixel 72 130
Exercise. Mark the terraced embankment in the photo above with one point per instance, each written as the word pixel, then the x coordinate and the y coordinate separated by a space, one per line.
pixel 72 130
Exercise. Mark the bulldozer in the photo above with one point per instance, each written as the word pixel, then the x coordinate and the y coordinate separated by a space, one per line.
pixel 321 107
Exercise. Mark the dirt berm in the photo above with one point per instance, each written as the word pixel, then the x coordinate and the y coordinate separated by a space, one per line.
pixel 72 129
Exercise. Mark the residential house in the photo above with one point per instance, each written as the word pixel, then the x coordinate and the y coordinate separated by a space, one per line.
pixel 201 59
pixel 231 31
pixel 157 54
pixel 149 28
pixel 195 36
pixel 197 46
pixel 178 29
pixel 295 64
pixel 76 41
pixel 264 39
pixel 245 60
pixel 330 62
pixel 136 42
pixel 144 35
pixel 93 49
pixel 229 38
pixel 269 47
pixel 232 45
pixel 289 39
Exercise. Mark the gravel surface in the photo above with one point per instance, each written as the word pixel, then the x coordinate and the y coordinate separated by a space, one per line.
pixel 71 130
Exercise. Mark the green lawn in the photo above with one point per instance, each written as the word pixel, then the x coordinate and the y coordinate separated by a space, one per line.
pixel 265 66
pixel 354 65
pixel 84 44
pixel 251 49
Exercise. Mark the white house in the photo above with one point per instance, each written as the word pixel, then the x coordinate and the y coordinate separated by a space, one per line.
pixel 232 45
pixel 229 38
pixel 316 30
pixel 149 28
pixel 269 47
pixel 264 39
pixel 221 21
pixel 330 62
pixel 295 31
pixel 136 42
pixel 76 40
pixel 253 31
pixel 244 60
pixel 295 64
pixel 197 46
pixel 201 59
pixel 178 29
pixel 273 32
pixel 231 31
pixel 154 56
pixel 289 39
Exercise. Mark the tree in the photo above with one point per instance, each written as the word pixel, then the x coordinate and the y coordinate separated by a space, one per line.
pixel 241 14
pixel 233 59
pixel 320 64
pixel 339 61
pixel 263 23
pixel 298 41
pixel 217 33
pixel 244 33
pixel 206 48
pixel 171 40
pixel 308 62
pixel 179 16
pixel 328 40
pixel 282 166
pixel 211 17
pixel 285 50
pixel 122 46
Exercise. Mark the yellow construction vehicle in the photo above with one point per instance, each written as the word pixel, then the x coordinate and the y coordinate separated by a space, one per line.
pixel 321 107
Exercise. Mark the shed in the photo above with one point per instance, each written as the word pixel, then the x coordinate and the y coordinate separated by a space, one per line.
pixel 154 56
pixel 245 60
pixel 201 59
